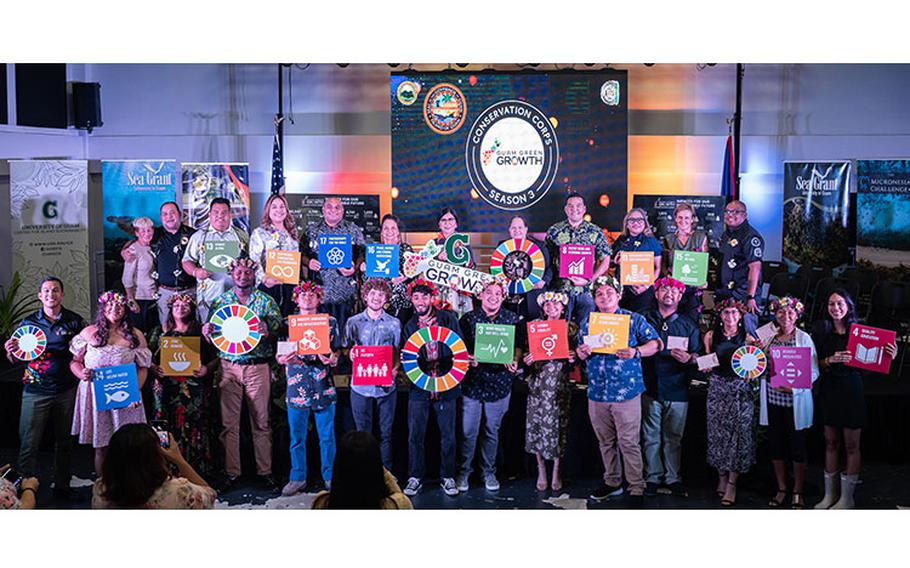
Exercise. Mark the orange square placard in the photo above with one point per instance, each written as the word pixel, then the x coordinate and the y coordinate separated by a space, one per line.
pixel 548 339
pixel 636 268
pixel 607 333
pixel 311 333
pixel 283 265
pixel 180 356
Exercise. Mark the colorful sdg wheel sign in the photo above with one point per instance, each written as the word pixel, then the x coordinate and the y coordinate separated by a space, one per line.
pixel 749 362
pixel 460 360
pixel 236 329
pixel 503 256
pixel 32 343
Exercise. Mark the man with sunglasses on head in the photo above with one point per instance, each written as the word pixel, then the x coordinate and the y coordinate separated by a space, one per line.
pixel 742 248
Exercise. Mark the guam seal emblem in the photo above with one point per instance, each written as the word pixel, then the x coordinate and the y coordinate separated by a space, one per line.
pixel 407 92
pixel 512 155
pixel 444 109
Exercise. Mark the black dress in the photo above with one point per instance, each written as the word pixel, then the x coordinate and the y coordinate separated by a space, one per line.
pixel 731 412
pixel 841 399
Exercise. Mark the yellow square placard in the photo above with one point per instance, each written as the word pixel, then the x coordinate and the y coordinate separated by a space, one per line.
pixel 608 332
pixel 636 268
pixel 180 356
pixel 283 265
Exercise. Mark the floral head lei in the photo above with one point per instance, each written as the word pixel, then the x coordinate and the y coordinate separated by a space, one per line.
pixel 730 303
pixel 500 280
pixel 375 284
pixel 610 281
pixel 551 296
pixel 788 302
pixel 244 262
pixel 115 297
pixel 671 282
pixel 305 287
pixel 434 291
pixel 183 297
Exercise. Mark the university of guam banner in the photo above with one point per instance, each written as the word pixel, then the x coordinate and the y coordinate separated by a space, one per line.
pixel 49 209
pixel 201 183
pixel 883 212
pixel 131 189
pixel 817 221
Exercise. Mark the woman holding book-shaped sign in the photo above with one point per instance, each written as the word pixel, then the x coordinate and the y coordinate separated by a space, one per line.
pixel 841 400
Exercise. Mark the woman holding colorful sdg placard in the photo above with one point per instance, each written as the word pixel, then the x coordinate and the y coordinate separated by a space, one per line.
pixel 686 239
pixel 638 253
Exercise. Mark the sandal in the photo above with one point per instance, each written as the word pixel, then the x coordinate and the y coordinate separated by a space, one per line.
pixel 778 499
pixel 729 502
pixel 798 501
pixel 721 493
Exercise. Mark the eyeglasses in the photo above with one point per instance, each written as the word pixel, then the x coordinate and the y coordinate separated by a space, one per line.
pixel 734 211
pixel 635 220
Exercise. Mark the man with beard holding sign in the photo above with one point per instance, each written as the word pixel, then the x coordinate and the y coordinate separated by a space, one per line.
pixel 435 362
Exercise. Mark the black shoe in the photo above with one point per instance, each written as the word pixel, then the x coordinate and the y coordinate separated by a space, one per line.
pixel 67 494
pixel 228 483
pixel 636 501
pixel 651 489
pixel 269 483
pixel 605 492
pixel 678 489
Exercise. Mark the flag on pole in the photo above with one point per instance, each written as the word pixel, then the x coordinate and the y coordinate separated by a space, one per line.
pixel 728 178
pixel 277 185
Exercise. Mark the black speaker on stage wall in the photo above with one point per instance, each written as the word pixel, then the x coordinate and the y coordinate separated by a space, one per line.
pixel 87 105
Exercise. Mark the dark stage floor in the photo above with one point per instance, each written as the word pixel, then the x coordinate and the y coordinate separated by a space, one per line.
pixel 883 487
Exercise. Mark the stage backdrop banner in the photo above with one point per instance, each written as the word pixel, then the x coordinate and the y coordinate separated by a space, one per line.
pixel 708 208
pixel 817 228
pixel 362 210
pixel 201 183
pixel 49 209
pixel 492 144
pixel 131 189
pixel 883 212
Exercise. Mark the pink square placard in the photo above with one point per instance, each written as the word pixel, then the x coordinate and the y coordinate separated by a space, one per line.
pixel 791 367
pixel 576 260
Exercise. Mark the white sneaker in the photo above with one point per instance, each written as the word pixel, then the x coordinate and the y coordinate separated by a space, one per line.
pixel 413 487
pixel 448 485
pixel 461 483
pixel 491 482
pixel 293 487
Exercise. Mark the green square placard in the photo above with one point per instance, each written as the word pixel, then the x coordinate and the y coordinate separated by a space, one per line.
pixel 690 268
pixel 494 343
pixel 220 254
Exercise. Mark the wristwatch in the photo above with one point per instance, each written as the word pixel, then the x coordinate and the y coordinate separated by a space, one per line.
pixel 637 353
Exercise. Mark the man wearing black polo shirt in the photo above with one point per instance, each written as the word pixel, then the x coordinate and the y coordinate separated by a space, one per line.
pixel 666 398
pixel 168 246
pixel 50 387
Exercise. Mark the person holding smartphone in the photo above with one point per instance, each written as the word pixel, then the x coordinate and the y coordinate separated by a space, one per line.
pixel 17 492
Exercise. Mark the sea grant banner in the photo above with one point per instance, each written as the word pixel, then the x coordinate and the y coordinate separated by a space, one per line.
pixel 49 210
pixel 817 227
pixel 883 212
pixel 131 189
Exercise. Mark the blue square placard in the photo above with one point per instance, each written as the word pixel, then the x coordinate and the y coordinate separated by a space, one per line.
pixel 335 251
pixel 115 387
pixel 382 261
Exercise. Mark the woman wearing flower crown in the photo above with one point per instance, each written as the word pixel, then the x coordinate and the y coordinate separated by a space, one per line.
pixel 107 342
pixel 549 392
pixel 787 412
pixel 731 408
pixel 187 402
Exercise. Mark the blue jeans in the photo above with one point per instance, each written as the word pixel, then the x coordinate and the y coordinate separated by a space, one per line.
pixel 298 420
pixel 418 414
pixel 36 410
pixel 662 425
pixel 362 408
pixel 489 445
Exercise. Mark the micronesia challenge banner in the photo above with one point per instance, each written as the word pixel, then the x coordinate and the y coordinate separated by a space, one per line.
pixel 49 209
pixel 817 222
pixel 201 183
pixel 883 212
pixel 131 189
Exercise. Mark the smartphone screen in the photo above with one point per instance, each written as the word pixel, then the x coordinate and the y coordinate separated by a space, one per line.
pixel 160 427
pixel 13 477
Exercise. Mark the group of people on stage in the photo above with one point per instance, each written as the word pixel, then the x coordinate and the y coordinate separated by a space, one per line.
pixel 637 397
